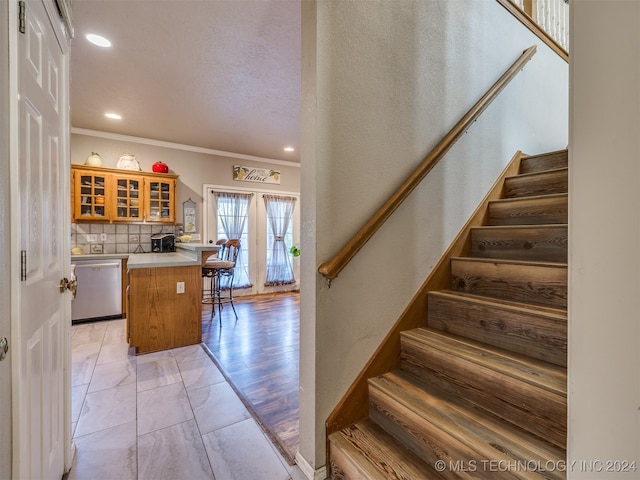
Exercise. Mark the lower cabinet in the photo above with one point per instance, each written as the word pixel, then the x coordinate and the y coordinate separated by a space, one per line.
pixel 159 318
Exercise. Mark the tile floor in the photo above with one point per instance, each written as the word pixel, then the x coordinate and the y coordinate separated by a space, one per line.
pixel 166 415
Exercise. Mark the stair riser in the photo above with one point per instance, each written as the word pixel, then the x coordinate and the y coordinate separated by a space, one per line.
pixel 339 463
pixel 546 183
pixel 538 285
pixel 364 450
pixel 426 440
pixel 531 408
pixel 543 162
pixel 529 211
pixel 336 472
pixel 343 467
pixel 521 331
pixel 546 244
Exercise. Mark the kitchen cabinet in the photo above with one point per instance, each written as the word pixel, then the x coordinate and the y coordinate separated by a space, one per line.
pixel 164 297
pixel 112 195
pixel 160 199
pixel 129 198
pixel 158 317
pixel 90 189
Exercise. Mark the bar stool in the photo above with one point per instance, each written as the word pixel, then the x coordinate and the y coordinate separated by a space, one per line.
pixel 222 270
pixel 207 272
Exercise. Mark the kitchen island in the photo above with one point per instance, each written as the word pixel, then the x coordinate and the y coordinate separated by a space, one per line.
pixel 164 307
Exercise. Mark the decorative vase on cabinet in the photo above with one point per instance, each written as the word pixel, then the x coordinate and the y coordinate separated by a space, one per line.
pixel 160 167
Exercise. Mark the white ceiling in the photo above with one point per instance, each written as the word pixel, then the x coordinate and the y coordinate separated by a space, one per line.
pixel 216 74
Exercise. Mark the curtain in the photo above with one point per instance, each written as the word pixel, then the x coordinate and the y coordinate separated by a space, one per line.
pixel 232 213
pixel 279 214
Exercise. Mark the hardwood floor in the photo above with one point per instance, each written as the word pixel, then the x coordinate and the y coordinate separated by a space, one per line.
pixel 258 354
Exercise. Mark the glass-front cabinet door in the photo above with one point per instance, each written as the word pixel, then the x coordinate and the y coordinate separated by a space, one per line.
pixel 129 199
pixel 114 195
pixel 160 200
pixel 92 196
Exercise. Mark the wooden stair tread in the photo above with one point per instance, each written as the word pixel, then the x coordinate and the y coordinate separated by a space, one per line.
pixel 545 182
pixel 537 209
pixel 558 313
pixel 544 161
pixel 474 433
pixel 531 199
pixel 539 374
pixel 373 452
pixel 520 227
pixel 538 173
pixel 539 333
pixel 509 261
pixel 521 242
pixel 520 390
pixel 535 282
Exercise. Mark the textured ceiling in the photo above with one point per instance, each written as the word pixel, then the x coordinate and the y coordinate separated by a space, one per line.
pixel 217 74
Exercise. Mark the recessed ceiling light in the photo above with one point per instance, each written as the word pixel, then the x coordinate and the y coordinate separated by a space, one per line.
pixel 98 40
pixel 289 149
pixel 114 116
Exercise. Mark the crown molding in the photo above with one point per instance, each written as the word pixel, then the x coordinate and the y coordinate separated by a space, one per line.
pixel 178 146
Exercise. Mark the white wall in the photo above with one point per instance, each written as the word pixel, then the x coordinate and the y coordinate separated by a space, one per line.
pixel 195 168
pixel 383 82
pixel 604 239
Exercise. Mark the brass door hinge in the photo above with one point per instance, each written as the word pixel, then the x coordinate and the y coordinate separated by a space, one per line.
pixel 23 265
pixel 22 27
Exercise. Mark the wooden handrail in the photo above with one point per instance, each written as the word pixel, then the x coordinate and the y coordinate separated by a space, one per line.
pixel 333 267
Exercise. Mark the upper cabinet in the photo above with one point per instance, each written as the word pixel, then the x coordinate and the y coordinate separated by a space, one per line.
pixel 90 195
pixel 160 197
pixel 111 195
pixel 129 198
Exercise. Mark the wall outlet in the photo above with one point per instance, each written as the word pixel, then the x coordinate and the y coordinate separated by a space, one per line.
pixel 195 236
pixel 180 287
pixel 92 237
pixel 103 237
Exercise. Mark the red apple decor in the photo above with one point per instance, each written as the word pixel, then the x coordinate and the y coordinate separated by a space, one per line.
pixel 160 167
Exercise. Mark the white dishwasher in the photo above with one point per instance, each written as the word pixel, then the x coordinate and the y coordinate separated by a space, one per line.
pixel 99 291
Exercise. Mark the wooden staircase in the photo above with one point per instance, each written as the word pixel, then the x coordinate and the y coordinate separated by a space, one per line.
pixel 481 390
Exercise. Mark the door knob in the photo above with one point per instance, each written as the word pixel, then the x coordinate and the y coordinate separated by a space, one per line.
pixel 71 285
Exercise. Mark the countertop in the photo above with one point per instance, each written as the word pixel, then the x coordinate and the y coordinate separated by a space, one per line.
pixel 100 256
pixel 157 260
pixel 187 254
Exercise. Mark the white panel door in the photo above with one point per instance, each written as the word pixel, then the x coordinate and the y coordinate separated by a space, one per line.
pixel 39 357
pixel 5 253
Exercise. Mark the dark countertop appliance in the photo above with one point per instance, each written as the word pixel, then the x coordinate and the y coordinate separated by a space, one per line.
pixel 163 242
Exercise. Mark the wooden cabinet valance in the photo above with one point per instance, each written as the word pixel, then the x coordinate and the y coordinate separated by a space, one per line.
pixel 110 195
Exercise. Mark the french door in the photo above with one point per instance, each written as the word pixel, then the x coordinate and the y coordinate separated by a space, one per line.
pixel 256 239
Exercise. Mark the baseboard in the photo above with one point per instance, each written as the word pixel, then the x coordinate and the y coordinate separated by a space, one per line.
pixel 308 470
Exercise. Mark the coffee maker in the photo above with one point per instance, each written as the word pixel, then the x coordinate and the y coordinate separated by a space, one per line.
pixel 163 242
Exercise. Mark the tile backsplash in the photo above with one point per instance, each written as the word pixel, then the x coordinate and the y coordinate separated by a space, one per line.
pixel 115 238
